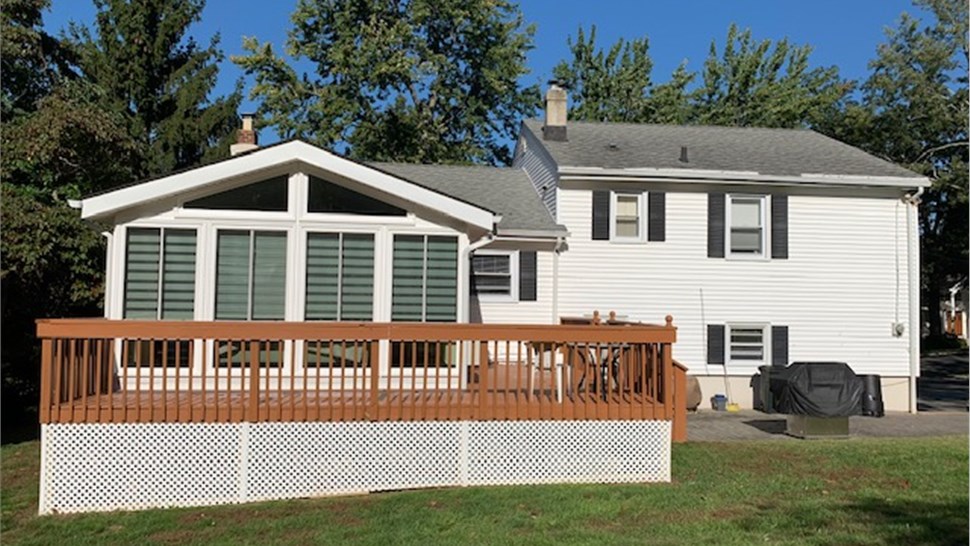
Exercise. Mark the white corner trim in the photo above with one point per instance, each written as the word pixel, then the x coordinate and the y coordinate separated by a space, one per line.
pixel 291 152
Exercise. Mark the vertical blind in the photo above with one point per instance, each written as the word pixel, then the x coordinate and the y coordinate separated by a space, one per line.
pixel 425 278
pixel 160 273
pixel 340 276
pixel 250 275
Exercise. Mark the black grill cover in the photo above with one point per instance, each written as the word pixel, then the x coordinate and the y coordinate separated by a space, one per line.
pixel 818 389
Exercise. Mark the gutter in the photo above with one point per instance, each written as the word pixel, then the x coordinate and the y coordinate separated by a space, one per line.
pixel 913 273
pixel 698 176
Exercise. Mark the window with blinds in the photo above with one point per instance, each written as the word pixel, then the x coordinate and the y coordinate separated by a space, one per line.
pixel 340 276
pixel 425 278
pixel 250 275
pixel 160 274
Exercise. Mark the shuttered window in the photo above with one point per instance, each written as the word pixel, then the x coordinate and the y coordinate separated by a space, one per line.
pixel 746 343
pixel 340 276
pixel 747 214
pixel 626 219
pixel 425 278
pixel 160 274
pixel 492 274
pixel 250 275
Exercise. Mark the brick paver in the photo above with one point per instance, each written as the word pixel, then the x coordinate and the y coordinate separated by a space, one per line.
pixel 719 426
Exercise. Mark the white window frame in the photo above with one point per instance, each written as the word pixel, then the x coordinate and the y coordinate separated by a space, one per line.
pixel 765 228
pixel 513 295
pixel 765 343
pixel 641 217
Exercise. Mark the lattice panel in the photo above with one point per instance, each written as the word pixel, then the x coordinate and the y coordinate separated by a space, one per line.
pixel 94 467
pixel 289 460
pixel 530 452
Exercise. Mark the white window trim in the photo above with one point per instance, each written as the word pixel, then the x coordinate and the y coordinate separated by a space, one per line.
pixel 765 341
pixel 641 219
pixel 513 295
pixel 765 228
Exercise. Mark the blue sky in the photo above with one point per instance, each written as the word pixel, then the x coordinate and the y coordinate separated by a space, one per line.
pixel 843 33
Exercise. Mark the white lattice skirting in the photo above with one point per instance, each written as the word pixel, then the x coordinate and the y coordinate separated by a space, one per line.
pixel 95 467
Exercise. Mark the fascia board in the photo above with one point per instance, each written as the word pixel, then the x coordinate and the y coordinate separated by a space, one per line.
pixel 740 177
pixel 291 152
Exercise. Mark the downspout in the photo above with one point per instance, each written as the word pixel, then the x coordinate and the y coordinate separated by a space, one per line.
pixel 108 267
pixel 555 279
pixel 913 274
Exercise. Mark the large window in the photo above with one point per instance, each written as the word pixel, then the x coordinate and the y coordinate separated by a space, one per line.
pixel 627 217
pixel 425 278
pixel 746 343
pixel 747 221
pixel 250 275
pixel 268 195
pixel 340 276
pixel 493 274
pixel 160 274
pixel 326 196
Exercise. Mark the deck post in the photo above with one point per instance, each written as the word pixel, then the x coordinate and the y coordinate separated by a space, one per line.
pixel 679 424
pixel 253 413
pixel 375 377
pixel 46 369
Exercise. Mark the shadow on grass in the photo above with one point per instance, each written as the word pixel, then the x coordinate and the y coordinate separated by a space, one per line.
pixel 915 521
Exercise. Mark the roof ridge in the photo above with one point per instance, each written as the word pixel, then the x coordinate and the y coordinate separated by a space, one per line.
pixel 681 125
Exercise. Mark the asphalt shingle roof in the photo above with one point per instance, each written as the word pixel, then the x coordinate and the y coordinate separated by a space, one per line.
pixel 505 191
pixel 782 152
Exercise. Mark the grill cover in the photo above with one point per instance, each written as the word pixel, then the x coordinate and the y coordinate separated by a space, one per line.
pixel 818 389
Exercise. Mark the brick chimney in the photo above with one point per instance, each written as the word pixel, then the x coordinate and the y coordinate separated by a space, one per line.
pixel 555 126
pixel 245 138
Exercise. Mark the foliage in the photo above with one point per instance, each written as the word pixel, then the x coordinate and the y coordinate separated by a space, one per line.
pixel 760 84
pixel 161 80
pixel 30 59
pixel 72 145
pixel 609 85
pixel 53 265
pixel 431 81
pixel 865 491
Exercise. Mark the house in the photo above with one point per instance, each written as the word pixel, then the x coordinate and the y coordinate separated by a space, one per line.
pixel 290 322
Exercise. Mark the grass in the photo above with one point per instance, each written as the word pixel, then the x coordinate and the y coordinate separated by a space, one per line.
pixel 859 491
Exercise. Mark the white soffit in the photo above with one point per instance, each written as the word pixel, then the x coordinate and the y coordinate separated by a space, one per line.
pixel 291 152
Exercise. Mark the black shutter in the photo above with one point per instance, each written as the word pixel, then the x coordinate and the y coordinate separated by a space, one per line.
pixel 527 275
pixel 715 225
pixel 779 345
pixel 715 344
pixel 601 215
pixel 656 214
pixel 779 227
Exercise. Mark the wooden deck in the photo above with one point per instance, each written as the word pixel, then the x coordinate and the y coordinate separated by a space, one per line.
pixel 99 371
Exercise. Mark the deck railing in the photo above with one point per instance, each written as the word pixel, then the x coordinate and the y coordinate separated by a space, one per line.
pixel 105 371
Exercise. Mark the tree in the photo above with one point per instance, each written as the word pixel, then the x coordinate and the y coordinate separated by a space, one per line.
pixel 30 59
pixel 406 80
pixel 913 111
pixel 161 80
pixel 609 85
pixel 765 85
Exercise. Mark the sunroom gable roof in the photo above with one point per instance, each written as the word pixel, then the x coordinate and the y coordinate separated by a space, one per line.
pixel 295 151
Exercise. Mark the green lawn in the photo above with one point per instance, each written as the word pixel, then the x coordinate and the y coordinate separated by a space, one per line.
pixel 859 491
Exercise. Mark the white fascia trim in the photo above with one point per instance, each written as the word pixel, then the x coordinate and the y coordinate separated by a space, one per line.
pixel 290 152
pixel 512 234
pixel 701 176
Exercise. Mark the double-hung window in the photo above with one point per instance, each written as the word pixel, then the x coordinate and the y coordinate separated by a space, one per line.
pixel 747 219
pixel 746 343
pixel 493 274
pixel 627 221
pixel 160 274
